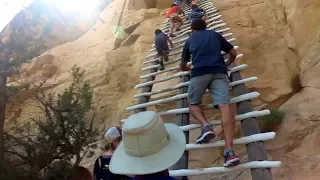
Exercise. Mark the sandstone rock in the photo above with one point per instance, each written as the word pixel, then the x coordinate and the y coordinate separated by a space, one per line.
pixel 280 43
pixel 295 144
pixel 260 34
pixel 42 26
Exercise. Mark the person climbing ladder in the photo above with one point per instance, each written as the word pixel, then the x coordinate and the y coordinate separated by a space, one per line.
pixel 191 2
pixel 197 12
pixel 209 71
pixel 172 18
pixel 161 43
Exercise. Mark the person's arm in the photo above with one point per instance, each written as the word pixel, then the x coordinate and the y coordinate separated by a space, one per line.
pixel 232 56
pixel 185 58
pixel 171 44
pixel 228 48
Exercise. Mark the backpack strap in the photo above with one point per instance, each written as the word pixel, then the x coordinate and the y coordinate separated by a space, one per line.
pixel 99 162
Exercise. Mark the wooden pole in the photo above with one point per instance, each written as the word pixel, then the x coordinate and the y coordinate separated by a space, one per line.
pixel 145 99
pixel 256 150
pixel 182 120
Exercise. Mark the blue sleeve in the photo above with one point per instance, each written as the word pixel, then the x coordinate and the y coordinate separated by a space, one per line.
pixel 225 45
pixel 186 53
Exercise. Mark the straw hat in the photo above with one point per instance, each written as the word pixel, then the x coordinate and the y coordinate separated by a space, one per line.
pixel 148 145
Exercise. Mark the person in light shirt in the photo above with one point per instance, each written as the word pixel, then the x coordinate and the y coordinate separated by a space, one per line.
pixel 113 137
pixel 173 19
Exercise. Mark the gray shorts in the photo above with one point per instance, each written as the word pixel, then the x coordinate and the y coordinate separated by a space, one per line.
pixel 218 85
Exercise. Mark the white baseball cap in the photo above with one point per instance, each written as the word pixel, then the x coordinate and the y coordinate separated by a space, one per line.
pixel 113 133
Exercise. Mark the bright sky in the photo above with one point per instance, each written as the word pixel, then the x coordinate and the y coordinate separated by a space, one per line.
pixel 9 8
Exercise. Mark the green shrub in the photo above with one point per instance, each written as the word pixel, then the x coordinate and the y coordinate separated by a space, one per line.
pixel 275 116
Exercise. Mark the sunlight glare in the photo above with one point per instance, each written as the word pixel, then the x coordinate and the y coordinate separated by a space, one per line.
pixel 84 7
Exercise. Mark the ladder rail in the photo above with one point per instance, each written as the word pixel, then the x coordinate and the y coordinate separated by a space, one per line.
pixel 182 120
pixel 146 89
pixel 256 151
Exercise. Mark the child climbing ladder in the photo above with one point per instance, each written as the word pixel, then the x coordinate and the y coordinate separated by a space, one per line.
pixel 161 42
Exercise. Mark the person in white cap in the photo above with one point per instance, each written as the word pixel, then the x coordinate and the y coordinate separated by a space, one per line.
pixel 113 137
pixel 149 147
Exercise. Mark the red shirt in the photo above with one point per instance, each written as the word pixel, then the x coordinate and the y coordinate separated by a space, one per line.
pixel 174 9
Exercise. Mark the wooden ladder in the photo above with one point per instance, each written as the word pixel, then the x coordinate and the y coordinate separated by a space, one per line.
pixel 258 160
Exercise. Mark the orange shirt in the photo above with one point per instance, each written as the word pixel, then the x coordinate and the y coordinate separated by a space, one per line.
pixel 174 9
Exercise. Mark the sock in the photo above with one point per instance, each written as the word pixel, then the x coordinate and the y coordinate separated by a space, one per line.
pixel 227 151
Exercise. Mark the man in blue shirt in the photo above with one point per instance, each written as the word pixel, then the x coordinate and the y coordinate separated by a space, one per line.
pixel 209 71
pixel 178 2
pixel 161 42
pixel 197 12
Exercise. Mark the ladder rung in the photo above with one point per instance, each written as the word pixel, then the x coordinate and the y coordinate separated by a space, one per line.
pixel 239 117
pixel 160 72
pixel 246 80
pixel 215 170
pixel 243 140
pixel 170 62
pixel 158 65
pixel 181 45
pixel 237 68
pixel 234 100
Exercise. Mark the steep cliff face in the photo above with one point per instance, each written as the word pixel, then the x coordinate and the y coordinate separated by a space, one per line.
pixel 42 26
pixel 112 71
pixel 280 40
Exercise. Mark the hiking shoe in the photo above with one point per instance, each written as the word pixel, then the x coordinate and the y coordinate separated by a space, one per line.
pixel 161 68
pixel 207 134
pixel 230 159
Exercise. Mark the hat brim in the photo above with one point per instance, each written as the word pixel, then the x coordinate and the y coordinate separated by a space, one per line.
pixel 122 163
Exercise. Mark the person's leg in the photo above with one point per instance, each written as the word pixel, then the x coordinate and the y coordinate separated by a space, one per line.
pixel 197 113
pixel 166 55
pixel 196 89
pixel 179 22
pixel 171 22
pixel 194 2
pixel 204 16
pixel 219 89
pixel 166 58
pixel 228 123
pixel 161 63
pixel 189 2
pixel 183 2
